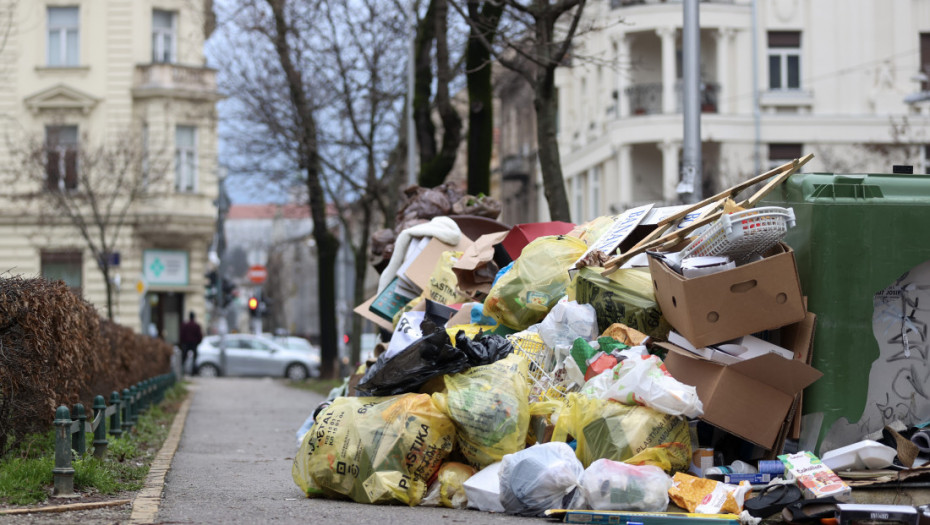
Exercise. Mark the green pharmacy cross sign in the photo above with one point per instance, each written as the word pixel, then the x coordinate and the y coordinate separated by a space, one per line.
pixel 166 267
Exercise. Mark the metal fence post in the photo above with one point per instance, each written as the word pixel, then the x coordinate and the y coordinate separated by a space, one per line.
pixel 127 411
pixel 116 430
pixel 63 474
pixel 134 406
pixel 100 431
pixel 79 438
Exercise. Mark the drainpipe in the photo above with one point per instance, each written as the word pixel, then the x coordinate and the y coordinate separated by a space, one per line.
pixel 690 187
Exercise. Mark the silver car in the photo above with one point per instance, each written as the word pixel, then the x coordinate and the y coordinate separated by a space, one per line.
pixel 253 355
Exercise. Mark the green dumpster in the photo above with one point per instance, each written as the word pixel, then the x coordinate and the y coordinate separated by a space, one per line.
pixel 862 244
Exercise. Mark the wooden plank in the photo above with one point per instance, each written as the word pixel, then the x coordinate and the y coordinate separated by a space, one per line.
pixel 69 507
pixel 617 261
pixel 756 197
pixel 733 190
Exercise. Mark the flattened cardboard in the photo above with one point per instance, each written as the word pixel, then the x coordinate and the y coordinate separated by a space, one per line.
pixel 711 309
pixel 476 257
pixel 422 267
pixel 752 398
pixel 521 235
pixel 363 311
pixel 463 316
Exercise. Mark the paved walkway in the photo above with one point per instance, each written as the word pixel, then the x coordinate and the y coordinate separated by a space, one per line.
pixel 233 465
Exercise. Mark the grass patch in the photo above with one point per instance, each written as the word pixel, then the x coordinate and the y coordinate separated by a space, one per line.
pixel 320 386
pixel 26 472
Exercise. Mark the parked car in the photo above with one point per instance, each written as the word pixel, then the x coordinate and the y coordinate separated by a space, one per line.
pixel 254 355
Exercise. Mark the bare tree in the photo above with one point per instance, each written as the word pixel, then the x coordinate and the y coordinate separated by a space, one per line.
pixel 539 41
pixel 364 44
pixel 485 17
pixel 436 161
pixel 93 188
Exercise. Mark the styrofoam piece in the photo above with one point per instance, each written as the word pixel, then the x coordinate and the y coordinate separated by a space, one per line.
pixel 863 455
pixel 484 489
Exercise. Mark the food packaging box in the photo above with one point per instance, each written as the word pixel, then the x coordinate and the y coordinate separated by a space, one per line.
pixel 815 479
pixel 750 398
pixel 714 308
pixel 484 489
pixel 866 454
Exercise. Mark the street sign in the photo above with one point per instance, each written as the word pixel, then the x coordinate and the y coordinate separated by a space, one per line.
pixel 257 274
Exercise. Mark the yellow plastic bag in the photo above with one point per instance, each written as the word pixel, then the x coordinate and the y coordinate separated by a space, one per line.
pixel 489 407
pixel 636 435
pixel 448 490
pixel 707 496
pixel 625 296
pixel 443 283
pixel 374 449
pixel 526 293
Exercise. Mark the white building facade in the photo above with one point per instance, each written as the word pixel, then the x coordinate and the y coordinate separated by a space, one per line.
pixel 841 79
pixel 84 74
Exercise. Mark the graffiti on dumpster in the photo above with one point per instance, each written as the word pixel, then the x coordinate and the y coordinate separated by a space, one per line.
pixel 898 380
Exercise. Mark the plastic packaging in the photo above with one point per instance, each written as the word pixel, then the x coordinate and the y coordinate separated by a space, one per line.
pixel 490 408
pixel 538 478
pixel 707 496
pixel 525 294
pixel 484 489
pixel 633 434
pixel 374 450
pixel 863 455
pixel 646 382
pixel 737 467
pixel 484 349
pixel 568 321
pixel 610 485
pixel 448 488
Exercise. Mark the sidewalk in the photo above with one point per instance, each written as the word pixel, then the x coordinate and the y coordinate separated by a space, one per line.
pixel 233 465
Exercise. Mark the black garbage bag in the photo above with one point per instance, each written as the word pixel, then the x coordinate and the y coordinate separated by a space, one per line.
pixel 428 356
pixel 484 349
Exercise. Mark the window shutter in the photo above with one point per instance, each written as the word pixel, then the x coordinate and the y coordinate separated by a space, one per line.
pixel 52 170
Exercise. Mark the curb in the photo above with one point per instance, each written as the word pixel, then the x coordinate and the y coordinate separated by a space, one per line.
pixel 145 504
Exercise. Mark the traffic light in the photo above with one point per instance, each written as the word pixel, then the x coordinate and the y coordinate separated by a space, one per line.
pixel 253 306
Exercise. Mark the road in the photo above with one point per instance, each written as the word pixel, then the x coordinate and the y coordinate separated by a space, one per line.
pixel 233 465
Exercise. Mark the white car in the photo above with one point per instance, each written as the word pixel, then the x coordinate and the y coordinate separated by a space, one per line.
pixel 253 355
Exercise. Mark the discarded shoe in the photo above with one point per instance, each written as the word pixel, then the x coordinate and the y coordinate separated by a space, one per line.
pixel 808 511
pixel 772 499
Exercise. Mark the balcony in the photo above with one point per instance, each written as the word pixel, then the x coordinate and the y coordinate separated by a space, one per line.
pixel 175 81
pixel 646 98
pixel 617 4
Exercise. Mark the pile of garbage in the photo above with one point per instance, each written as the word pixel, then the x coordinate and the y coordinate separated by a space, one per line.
pixel 578 370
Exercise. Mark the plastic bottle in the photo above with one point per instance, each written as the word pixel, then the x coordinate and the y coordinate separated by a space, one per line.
pixel 737 467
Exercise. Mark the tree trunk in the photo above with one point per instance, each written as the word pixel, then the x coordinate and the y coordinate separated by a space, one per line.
pixel 423 85
pixel 480 95
pixel 326 243
pixel 547 109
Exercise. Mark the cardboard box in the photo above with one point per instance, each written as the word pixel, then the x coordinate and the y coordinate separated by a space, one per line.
pixel 707 310
pixel 815 479
pixel 751 398
pixel 477 268
pixel 521 235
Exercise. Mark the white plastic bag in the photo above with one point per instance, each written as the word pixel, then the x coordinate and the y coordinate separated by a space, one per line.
pixel 568 321
pixel 538 478
pixel 611 485
pixel 646 382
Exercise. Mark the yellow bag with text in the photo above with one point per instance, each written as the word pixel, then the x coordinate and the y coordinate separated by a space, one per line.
pixel 490 409
pixel 636 435
pixel 443 283
pixel 374 449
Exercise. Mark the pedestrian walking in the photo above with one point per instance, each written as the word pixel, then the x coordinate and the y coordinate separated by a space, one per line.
pixel 190 337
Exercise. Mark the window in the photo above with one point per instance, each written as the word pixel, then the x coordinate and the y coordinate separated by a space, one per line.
pixel 185 140
pixel 63 37
pixel 63 265
pixel 784 60
pixel 578 197
pixel 163 36
pixel 61 161
pixel 782 153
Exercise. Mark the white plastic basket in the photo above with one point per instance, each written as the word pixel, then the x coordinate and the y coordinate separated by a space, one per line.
pixel 742 235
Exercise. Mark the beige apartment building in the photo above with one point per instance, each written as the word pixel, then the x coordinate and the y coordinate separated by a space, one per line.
pixel 111 102
pixel 845 80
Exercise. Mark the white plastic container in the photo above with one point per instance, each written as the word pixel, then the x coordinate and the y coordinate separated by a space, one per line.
pixel 864 455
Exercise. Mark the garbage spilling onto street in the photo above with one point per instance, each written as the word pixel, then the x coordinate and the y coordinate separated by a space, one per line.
pixel 643 367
